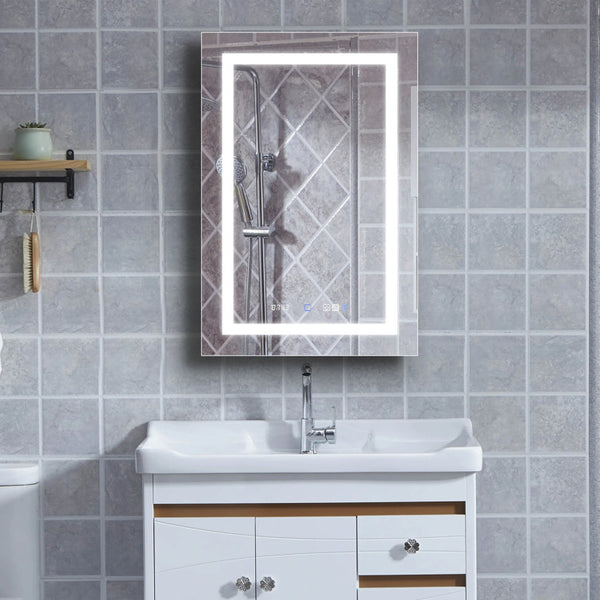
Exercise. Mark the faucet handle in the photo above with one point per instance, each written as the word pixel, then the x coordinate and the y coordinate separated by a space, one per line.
pixel 330 431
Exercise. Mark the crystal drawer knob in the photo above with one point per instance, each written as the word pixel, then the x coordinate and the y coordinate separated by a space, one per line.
pixel 267 584
pixel 411 546
pixel 243 584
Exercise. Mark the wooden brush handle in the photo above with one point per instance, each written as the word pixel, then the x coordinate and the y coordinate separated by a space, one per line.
pixel 36 265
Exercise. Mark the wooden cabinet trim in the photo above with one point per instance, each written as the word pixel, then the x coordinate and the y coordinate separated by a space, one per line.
pixel 309 510
pixel 393 581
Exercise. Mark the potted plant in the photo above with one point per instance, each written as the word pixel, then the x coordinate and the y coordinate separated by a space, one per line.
pixel 32 142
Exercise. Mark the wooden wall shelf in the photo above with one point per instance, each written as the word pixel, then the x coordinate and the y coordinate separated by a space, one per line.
pixel 45 166
pixel 30 173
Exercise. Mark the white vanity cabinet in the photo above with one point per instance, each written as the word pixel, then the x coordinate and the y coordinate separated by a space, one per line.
pixel 292 557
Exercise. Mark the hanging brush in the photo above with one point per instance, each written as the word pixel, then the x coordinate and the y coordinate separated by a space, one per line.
pixel 32 270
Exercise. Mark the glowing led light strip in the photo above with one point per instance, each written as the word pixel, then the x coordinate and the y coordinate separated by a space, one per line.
pixel 390 325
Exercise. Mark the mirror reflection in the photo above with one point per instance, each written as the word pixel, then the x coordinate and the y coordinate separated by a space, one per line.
pixel 309 194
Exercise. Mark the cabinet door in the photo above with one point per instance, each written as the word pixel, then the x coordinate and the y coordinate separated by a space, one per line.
pixel 201 558
pixel 307 557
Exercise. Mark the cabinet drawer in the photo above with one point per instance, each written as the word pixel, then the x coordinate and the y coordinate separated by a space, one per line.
pixel 440 538
pixel 421 593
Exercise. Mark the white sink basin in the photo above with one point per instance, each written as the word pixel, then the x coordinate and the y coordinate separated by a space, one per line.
pixel 431 445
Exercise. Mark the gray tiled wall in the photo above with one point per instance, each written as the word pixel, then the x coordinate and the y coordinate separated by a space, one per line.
pixel 112 340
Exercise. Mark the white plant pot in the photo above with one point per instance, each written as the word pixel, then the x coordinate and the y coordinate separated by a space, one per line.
pixel 32 144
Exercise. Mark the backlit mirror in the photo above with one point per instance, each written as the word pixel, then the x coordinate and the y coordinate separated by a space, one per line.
pixel 309 194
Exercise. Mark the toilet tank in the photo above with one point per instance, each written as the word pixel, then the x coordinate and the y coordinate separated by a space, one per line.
pixel 19 531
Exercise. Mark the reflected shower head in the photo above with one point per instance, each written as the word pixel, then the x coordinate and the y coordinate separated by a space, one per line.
pixel 239 174
pixel 208 104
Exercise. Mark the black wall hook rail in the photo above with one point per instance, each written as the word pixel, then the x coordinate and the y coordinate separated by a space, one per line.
pixel 68 178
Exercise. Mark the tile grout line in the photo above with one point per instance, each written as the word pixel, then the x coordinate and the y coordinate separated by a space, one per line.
pixel 467 348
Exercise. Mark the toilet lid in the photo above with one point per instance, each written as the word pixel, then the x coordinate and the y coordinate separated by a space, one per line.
pixel 22 473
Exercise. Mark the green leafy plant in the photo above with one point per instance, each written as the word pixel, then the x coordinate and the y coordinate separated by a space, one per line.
pixel 32 125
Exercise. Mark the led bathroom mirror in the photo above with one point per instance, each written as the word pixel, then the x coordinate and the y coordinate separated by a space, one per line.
pixel 309 194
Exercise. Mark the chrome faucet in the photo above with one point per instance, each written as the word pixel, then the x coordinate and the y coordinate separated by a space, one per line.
pixel 310 434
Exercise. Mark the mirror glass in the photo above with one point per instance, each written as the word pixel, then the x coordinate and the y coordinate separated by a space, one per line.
pixel 309 194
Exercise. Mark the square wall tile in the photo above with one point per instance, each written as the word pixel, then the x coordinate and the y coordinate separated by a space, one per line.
pixel 122 489
pixel 17 70
pixel 497 302
pixel 129 182
pixel 65 14
pixel 442 57
pixel 14 109
pixel 559 589
pixel 441 119
pixel 559 56
pixel 557 423
pixel 70 305
pixel 505 65
pixel 124 548
pixel 183 315
pixel 497 119
pixel 432 12
pixel 71 488
pixel 67 60
pixel 17 14
pixel 125 421
pixel 370 408
pixel 496 548
pixel 182 64
pixel 129 121
pixel 70 426
pixel 439 366
pixel 130 244
pixel 251 13
pixel 18 311
pixel 71 590
pixel 72 118
pixel 441 302
pixel 558 484
pixel 69 244
pixel 504 588
pixel 498 12
pixel 117 590
pixel 435 407
pixel 557 301
pixel 19 367
pixel 71 548
pixel 326 13
pixel 190 13
pixel 192 409
pixel 558 119
pixel 132 366
pixel 556 242
pixel 253 408
pixel 441 179
pixel 186 372
pixel 497 242
pixel 501 486
pixel 180 121
pixel 132 304
pixel 497 179
pixel 557 363
pixel 497 363
pixel 19 422
pixel 182 250
pixel 123 66
pixel 557 179
pixel 558 545
pixel 70 366
pixel 499 422
pixel 441 241
pixel 373 375
pixel 555 12
pixel 129 13
pixel 383 13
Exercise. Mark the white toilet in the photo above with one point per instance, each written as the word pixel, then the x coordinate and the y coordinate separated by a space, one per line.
pixel 19 531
